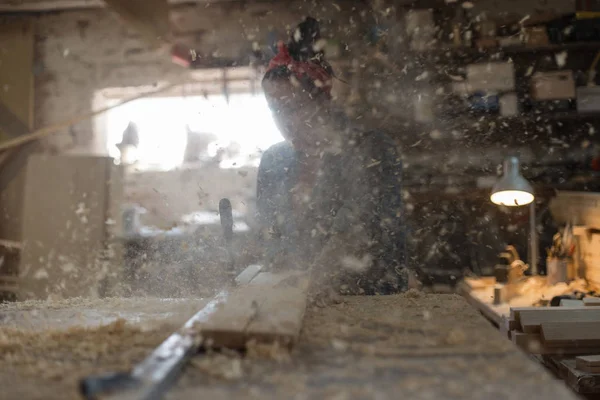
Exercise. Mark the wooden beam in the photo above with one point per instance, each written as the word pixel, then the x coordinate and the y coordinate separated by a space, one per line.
pixel 48 5
pixel 11 125
pixel 571 334
pixel 16 77
pixel 532 319
pixel 588 363
pixel 149 17
pixel 62 5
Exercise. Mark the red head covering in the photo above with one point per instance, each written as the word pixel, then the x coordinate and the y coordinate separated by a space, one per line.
pixel 313 70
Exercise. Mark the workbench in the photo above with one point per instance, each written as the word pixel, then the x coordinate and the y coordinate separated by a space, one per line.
pixel 414 346
pixel 479 292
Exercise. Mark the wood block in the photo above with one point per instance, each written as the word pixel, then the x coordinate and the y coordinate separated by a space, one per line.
pixel 280 315
pixel 530 343
pixel 515 313
pixel 248 274
pixel 531 320
pixel 269 309
pixel 275 278
pixel 591 301
pixel 588 360
pixel 582 382
pixel 571 303
pixel 507 326
pixel 226 326
pixel 504 327
pixel 591 370
pixel 571 334
pixel 588 363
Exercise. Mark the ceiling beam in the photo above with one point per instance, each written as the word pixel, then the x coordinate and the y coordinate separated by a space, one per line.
pixel 149 17
pixel 61 5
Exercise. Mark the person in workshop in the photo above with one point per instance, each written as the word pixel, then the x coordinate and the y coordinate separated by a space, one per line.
pixel 329 196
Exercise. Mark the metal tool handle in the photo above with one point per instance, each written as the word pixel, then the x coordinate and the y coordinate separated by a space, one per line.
pixel 96 386
pixel 226 214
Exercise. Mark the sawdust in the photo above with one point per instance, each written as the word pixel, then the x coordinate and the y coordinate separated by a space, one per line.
pixel 364 347
pixel 220 366
pixel 56 304
pixel 65 356
pixel 267 351
pixel 385 347
pixel 55 343
pixel 62 314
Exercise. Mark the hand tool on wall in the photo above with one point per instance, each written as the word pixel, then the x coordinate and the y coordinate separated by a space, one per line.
pixel 226 214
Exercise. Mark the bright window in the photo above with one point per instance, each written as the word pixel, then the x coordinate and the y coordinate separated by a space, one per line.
pixel 244 121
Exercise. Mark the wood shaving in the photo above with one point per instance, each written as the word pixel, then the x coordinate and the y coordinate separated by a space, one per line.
pixel 269 351
pixel 220 366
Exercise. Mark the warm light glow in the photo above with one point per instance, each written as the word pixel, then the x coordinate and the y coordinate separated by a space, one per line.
pixel 511 198
pixel 245 121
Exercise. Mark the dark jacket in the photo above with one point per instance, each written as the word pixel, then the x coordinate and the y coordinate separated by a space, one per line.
pixel 356 202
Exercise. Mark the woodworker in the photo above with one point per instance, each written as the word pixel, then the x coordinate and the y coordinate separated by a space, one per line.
pixel 329 196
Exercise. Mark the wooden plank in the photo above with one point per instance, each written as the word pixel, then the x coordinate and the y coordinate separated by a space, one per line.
pixel 591 301
pixel 273 279
pixel 515 312
pixel 571 303
pixel 513 325
pixel 279 317
pixel 580 381
pixel 588 363
pixel 270 308
pixel 56 5
pixel 530 343
pixel 227 326
pixel 505 328
pixel 588 360
pixel 70 223
pixel 531 320
pixel 16 75
pixel 533 344
pixel 571 334
pixel 247 274
pixel 591 370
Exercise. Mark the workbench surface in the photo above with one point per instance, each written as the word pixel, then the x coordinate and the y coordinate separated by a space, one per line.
pixel 413 346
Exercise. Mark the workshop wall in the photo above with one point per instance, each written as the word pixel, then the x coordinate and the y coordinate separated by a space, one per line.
pixel 80 52
pixel 168 195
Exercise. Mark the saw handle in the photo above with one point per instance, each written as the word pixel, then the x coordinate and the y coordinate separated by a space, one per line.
pixel 93 387
pixel 226 214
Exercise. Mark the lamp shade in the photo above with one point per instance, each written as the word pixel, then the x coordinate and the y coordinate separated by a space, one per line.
pixel 512 189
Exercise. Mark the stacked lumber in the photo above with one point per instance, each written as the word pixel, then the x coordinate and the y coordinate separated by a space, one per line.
pixel 555 330
pixel 589 364
pixel 591 301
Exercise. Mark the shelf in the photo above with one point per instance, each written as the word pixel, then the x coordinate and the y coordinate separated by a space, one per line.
pixel 525 117
pixel 11 245
pixel 511 49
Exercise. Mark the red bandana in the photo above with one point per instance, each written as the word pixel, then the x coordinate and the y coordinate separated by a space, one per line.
pixel 314 71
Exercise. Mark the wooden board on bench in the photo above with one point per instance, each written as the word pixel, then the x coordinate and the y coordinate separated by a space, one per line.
pixel 269 309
